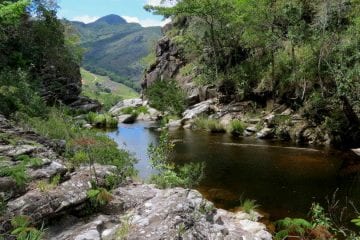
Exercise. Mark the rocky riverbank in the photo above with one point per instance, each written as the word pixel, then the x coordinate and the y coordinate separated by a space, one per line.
pixel 136 211
pixel 279 122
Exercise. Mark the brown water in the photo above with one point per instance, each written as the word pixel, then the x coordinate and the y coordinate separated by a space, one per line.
pixel 284 179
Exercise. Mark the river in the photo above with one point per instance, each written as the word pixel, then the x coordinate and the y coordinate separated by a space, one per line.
pixel 284 179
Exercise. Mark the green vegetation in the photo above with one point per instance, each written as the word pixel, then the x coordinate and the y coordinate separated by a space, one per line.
pixel 17 173
pixel 83 146
pixel 169 175
pixel 236 127
pixel 304 53
pixel 17 95
pixel 115 48
pixel 292 227
pixel 209 124
pixel 44 185
pixel 248 205
pixel 23 230
pixel 135 110
pixel 166 96
pixel 36 59
pixel 103 89
pixel 99 197
pixel 123 231
pixel 322 225
pixel 101 120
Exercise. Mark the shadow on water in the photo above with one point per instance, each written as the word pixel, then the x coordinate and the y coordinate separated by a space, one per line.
pixel 284 179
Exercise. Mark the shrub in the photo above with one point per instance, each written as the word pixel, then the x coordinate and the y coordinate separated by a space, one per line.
pixel 248 205
pixel 45 186
pixel 135 110
pixel 236 127
pixel 166 96
pixel 99 197
pixel 211 125
pixel 170 175
pixel 101 120
pixel 17 173
pixel 123 231
pixel 17 95
pixel 59 125
pixel 23 230
pixel 292 226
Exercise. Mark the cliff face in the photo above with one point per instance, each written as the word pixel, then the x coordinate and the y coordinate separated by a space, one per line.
pixel 169 61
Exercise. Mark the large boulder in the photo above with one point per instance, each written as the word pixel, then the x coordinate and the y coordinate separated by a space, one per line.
pixel 40 206
pixel 116 110
pixel 127 118
pixel 203 108
pixel 265 133
pixel 85 104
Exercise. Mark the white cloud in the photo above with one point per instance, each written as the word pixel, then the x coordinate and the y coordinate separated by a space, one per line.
pixel 146 22
pixel 165 3
pixel 85 18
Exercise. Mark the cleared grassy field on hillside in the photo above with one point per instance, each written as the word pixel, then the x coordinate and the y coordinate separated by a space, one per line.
pixel 104 90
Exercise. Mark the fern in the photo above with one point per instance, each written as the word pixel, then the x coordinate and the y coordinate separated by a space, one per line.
pixel 289 226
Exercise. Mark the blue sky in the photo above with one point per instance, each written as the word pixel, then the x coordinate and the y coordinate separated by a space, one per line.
pixel 90 10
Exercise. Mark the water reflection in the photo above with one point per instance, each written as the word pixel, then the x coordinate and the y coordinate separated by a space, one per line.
pixel 283 178
pixel 136 138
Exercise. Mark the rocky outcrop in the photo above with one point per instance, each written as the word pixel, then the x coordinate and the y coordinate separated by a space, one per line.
pixel 168 62
pixel 116 110
pixel 85 104
pixel 153 214
pixel 43 205
pixel 129 118
pixel 203 108
pixel 65 86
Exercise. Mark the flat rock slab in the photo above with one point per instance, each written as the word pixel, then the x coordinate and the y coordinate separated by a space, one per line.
pixel 41 206
pixel 154 214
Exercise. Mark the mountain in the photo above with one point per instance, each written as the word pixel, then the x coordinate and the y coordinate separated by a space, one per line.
pixel 115 48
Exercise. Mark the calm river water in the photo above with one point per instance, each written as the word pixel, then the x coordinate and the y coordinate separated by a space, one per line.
pixel 284 179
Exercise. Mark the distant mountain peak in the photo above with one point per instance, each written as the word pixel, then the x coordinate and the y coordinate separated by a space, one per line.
pixel 111 19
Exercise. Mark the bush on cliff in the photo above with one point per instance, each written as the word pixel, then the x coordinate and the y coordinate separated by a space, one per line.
pixel 166 96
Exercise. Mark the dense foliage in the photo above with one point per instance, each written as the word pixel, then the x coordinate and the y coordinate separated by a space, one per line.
pixel 277 49
pixel 36 59
pixel 166 96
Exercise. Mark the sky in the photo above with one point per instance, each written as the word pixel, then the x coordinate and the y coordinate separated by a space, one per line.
pixel 90 10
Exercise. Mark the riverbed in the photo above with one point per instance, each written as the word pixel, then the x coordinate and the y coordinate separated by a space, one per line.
pixel 285 179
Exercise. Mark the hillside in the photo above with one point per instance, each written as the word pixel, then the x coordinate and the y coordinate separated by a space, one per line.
pixel 104 90
pixel 115 48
